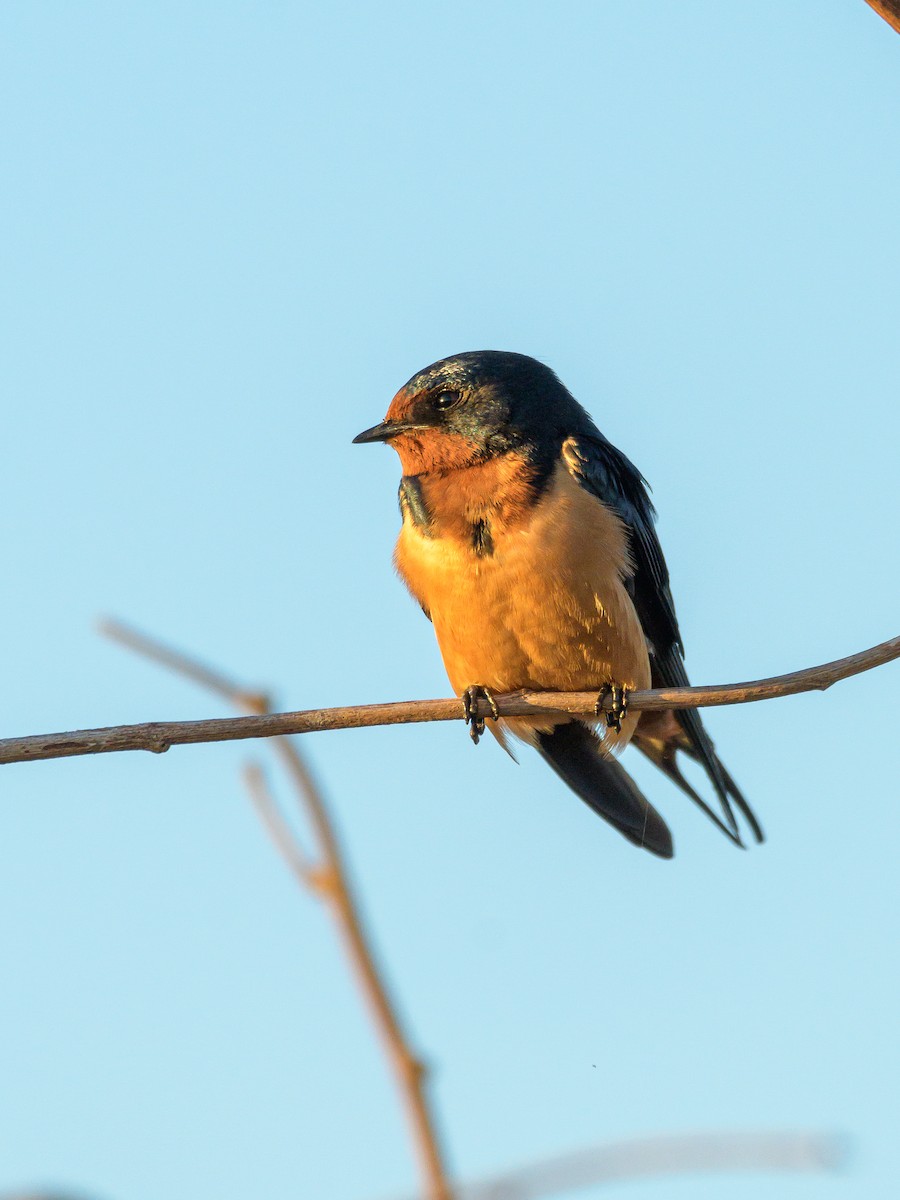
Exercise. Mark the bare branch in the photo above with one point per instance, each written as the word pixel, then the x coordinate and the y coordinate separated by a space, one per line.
pixel 158 736
pixel 655 1156
pixel 283 837
pixel 198 672
pixel 42 1196
pixel 889 9
pixel 329 881
pixel 646 1157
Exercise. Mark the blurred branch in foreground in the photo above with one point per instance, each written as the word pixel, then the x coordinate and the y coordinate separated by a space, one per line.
pixel 325 875
pixel 640 1158
pixel 158 736
pixel 43 1196
pixel 889 9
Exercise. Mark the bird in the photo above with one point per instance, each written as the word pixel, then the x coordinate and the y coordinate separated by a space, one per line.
pixel 529 541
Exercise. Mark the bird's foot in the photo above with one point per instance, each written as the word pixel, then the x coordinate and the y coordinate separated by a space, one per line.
pixel 470 698
pixel 618 705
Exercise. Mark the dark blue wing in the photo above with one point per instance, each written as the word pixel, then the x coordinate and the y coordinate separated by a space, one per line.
pixel 614 479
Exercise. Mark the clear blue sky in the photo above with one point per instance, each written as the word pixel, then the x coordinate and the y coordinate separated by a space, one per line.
pixel 230 232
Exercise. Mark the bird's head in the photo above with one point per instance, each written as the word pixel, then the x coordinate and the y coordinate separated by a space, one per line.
pixel 463 410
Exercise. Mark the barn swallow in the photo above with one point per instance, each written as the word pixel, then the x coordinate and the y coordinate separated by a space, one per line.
pixel 528 539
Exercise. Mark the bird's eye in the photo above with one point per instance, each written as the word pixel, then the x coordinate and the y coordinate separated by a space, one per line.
pixel 444 400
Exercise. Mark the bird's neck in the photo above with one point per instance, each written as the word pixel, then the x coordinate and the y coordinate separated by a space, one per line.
pixel 491 497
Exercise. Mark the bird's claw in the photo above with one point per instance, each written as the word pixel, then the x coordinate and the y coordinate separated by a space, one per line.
pixel 470 698
pixel 618 706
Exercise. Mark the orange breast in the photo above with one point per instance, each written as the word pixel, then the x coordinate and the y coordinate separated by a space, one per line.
pixel 546 609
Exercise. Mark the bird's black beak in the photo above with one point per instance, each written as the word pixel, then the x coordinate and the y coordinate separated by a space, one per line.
pixel 384 432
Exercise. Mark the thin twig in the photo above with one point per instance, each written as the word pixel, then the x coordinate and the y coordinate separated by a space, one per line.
pixel 329 880
pixel 189 668
pixel 158 736
pixel 889 9
pixel 283 837
pixel 655 1156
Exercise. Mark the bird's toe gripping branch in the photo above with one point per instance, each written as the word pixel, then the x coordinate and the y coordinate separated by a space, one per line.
pixel 470 698
pixel 618 705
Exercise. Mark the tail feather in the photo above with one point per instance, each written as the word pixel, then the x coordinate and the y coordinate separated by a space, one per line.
pixel 735 794
pixel 670 672
pixel 661 735
pixel 574 752
pixel 669 766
